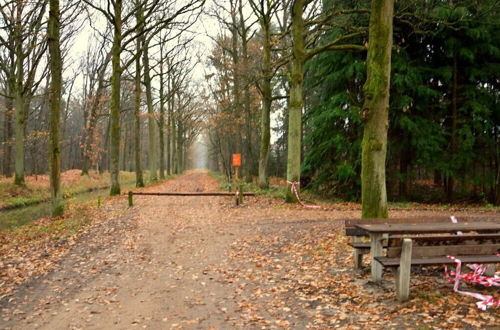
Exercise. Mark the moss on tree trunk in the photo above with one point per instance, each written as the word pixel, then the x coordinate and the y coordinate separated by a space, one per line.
pixel 55 64
pixel 21 114
pixel 114 143
pixel 139 180
pixel 265 122
pixel 296 100
pixel 7 151
pixel 20 129
pixel 153 150
pixel 375 110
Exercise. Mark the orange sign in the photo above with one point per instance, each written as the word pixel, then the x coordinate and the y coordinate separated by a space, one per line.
pixel 236 160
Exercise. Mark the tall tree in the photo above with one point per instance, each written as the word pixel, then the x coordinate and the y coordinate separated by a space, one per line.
pixel 23 38
pixel 264 11
pixel 117 69
pixel 53 36
pixel 303 49
pixel 139 180
pixel 95 64
pixel 113 11
pixel 375 110
pixel 153 150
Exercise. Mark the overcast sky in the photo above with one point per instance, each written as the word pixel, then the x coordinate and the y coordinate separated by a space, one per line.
pixel 204 30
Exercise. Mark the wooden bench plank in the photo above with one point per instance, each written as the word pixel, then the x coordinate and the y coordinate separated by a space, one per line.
pixel 352 230
pixel 450 238
pixel 351 222
pixel 481 259
pixel 363 245
pixel 412 228
pixel 450 250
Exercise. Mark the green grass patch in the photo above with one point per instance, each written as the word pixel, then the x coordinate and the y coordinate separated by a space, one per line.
pixel 48 229
pixel 13 196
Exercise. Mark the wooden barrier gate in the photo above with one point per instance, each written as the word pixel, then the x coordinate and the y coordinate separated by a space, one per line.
pixel 238 195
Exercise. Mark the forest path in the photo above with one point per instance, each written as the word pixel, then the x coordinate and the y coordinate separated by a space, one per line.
pixel 203 263
pixel 161 264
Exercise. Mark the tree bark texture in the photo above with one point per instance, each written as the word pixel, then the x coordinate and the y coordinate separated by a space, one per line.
pixel 161 121
pixel 21 114
pixel 169 128
pixel 265 121
pixel 7 169
pixel 139 180
pixel 296 99
pixel 376 111
pixel 153 150
pixel 55 95
pixel 114 143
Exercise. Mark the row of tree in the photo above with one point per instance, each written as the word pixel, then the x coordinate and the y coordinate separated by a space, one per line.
pixel 136 74
pixel 289 35
pixel 324 69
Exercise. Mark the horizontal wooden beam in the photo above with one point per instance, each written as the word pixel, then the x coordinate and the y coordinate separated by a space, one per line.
pixel 215 193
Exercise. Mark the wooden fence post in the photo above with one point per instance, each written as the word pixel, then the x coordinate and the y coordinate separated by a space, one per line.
pixel 130 199
pixel 236 184
pixel 404 270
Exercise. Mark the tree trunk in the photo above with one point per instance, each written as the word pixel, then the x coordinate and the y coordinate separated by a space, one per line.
pixel 236 80
pixel 90 123
pixel 265 123
pixel 170 107
pixel 55 95
pixel 376 111
pixel 161 122
pixel 114 143
pixel 153 150
pixel 248 167
pixel 180 128
pixel 296 100
pixel 20 132
pixel 7 170
pixel 169 129
pixel 21 114
pixel 173 147
pixel 139 180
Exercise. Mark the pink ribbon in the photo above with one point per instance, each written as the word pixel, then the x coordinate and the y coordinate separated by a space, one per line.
pixel 295 191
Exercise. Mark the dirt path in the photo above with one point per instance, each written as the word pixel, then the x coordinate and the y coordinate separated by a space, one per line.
pixel 201 262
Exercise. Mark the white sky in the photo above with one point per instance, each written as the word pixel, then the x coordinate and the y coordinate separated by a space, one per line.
pixel 205 28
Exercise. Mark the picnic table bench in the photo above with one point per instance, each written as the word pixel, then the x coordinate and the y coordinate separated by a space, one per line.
pixel 410 244
pixel 362 246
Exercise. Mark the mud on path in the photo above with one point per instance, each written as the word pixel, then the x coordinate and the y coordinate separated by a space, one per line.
pixel 201 262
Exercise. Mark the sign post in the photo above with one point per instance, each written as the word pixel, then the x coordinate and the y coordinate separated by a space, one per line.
pixel 236 162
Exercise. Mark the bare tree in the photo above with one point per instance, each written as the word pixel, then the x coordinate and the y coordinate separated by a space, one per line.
pixel 265 10
pixel 24 43
pixel 94 65
pixel 125 33
pixel 305 29
pixel 56 68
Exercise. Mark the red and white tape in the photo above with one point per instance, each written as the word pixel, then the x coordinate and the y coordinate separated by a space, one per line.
pixel 476 277
pixel 295 191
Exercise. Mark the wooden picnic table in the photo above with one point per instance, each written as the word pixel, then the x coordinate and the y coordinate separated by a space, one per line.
pixel 377 231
